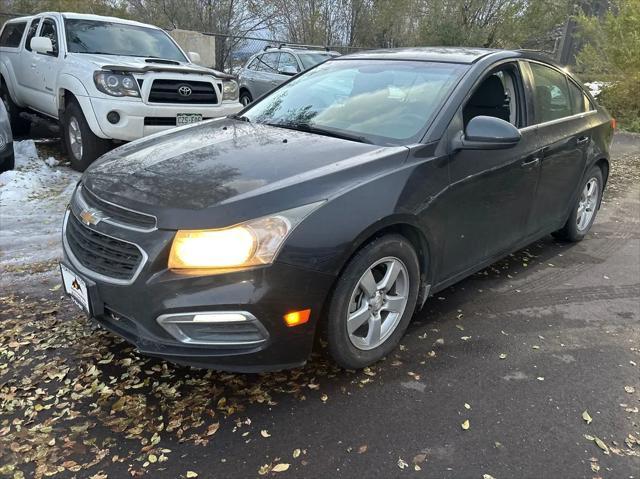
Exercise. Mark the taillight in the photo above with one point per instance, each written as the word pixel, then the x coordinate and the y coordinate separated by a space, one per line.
pixel 614 124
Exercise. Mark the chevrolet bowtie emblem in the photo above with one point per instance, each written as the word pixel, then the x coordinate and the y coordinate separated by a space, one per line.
pixel 91 217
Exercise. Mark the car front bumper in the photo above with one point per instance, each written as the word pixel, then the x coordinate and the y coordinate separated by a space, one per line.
pixel 139 119
pixel 264 293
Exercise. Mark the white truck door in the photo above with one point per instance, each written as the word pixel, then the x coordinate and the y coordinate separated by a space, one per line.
pixel 25 66
pixel 47 66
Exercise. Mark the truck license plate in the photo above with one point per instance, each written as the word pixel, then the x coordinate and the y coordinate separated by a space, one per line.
pixel 188 118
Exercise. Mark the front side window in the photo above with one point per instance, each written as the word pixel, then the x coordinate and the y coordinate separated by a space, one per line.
pixel 111 38
pixel 50 31
pixel 382 102
pixel 12 34
pixel 288 63
pixel 31 33
pixel 551 93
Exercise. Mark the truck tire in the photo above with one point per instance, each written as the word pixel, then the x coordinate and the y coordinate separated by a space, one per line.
pixel 83 147
pixel 19 126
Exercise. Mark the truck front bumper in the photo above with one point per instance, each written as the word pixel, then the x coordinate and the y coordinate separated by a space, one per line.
pixel 139 119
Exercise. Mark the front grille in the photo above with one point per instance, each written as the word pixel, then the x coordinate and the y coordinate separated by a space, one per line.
pixel 168 91
pixel 100 253
pixel 115 213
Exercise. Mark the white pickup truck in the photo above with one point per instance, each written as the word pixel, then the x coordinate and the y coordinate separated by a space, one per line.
pixel 104 79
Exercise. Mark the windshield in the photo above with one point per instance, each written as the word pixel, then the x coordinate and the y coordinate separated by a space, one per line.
pixel 382 102
pixel 110 38
pixel 312 59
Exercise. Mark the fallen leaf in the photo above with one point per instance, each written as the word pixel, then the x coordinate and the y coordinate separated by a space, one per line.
pixel 296 453
pixel 265 433
pixel 401 463
pixel 467 406
pixel 191 474
pixel 630 389
pixel 600 443
pixel 465 425
pixel 280 467
pixel 503 356
pixel 487 476
pixel 586 417
pixel 324 398
pixel 362 449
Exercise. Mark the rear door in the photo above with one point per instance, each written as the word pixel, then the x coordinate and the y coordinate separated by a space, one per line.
pixel 563 122
pixel 267 76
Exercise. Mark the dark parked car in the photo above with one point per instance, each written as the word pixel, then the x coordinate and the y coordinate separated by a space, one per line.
pixel 6 141
pixel 335 205
pixel 274 66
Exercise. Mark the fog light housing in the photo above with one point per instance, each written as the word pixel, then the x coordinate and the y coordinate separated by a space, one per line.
pixel 113 117
pixel 218 328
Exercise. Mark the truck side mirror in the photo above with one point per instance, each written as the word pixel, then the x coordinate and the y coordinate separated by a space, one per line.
pixel 195 57
pixel 41 45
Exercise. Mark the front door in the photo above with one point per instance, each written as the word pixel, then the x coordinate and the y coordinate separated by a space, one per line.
pixel 491 191
pixel 47 70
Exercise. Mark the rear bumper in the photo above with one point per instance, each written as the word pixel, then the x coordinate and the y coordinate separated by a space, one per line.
pixel 133 113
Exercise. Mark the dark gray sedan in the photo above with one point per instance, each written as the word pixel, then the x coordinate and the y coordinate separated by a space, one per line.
pixel 6 141
pixel 333 206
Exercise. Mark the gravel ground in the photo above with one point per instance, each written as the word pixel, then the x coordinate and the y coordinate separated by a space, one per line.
pixel 528 369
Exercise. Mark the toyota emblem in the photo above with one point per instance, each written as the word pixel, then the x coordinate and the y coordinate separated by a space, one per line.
pixel 184 90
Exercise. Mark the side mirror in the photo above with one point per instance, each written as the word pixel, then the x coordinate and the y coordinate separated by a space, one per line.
pixel 41 45
pixel 195 57
pixel 487 133
pixel 289 70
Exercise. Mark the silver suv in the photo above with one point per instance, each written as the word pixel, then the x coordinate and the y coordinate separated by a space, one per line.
pixel 274 65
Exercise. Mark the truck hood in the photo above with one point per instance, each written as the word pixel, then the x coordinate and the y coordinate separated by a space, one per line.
pixel 141 65
pixel 225 171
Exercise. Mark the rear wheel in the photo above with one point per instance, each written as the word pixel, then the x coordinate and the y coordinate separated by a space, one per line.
pixel 82 145
pixel 19 126
pixel 584 211
pixel 373 302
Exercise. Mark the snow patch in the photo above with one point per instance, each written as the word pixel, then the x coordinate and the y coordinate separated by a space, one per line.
pixel 33 198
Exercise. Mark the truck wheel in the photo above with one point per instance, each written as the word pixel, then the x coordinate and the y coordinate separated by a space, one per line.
pixel 82 145
pixel 19 126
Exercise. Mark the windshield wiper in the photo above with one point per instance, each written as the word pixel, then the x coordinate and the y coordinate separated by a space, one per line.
pixel 235 116
pixel 306 127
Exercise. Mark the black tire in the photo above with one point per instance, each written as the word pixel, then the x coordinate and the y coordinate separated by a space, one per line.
pixel 341 346
pixel 245 97
pixel 19 126
pixel 8 163
pixel 571 231
pixel 92 146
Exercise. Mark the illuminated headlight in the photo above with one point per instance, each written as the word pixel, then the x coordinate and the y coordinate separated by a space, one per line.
pixel 116 84
pixel 252 243
pixel 230 90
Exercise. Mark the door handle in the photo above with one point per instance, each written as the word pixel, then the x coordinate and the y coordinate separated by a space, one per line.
pixel 582 140
pixel 33 65
pixel 532 162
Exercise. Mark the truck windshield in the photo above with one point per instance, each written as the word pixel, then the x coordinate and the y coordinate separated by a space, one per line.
pixel 374 101
pixel 111 38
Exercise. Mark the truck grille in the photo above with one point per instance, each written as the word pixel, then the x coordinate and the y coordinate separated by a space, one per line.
pixel 193 92
pixel 100 253
pixel 113 212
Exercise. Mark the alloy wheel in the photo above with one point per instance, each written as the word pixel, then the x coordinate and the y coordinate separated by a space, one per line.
pixel 75 138
pixel 588 204
pixel 377 303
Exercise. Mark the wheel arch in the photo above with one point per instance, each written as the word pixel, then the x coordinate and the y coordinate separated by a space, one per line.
pixel 69 87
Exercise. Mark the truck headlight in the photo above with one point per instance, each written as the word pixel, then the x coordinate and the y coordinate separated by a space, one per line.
pixel 252 243
pixel 230 91
pixel 116 84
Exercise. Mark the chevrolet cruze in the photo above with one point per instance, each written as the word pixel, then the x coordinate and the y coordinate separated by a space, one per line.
pixel 334 206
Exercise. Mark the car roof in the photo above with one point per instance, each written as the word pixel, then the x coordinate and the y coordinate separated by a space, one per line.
pixel 301 50
pixel 84 16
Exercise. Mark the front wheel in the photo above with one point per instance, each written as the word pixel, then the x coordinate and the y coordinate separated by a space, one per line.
pixel 373 302
pixel 82 145
pixel 584 211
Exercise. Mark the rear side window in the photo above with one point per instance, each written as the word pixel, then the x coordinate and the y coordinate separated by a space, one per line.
pixel 31 33
pixel 12 34
pixel 50 31
pixel 268 62
pixel 252 64
pixel 579 101
pixel 551 93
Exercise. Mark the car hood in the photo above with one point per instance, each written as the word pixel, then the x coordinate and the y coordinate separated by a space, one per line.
pixel 140 65
pixel 222 172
